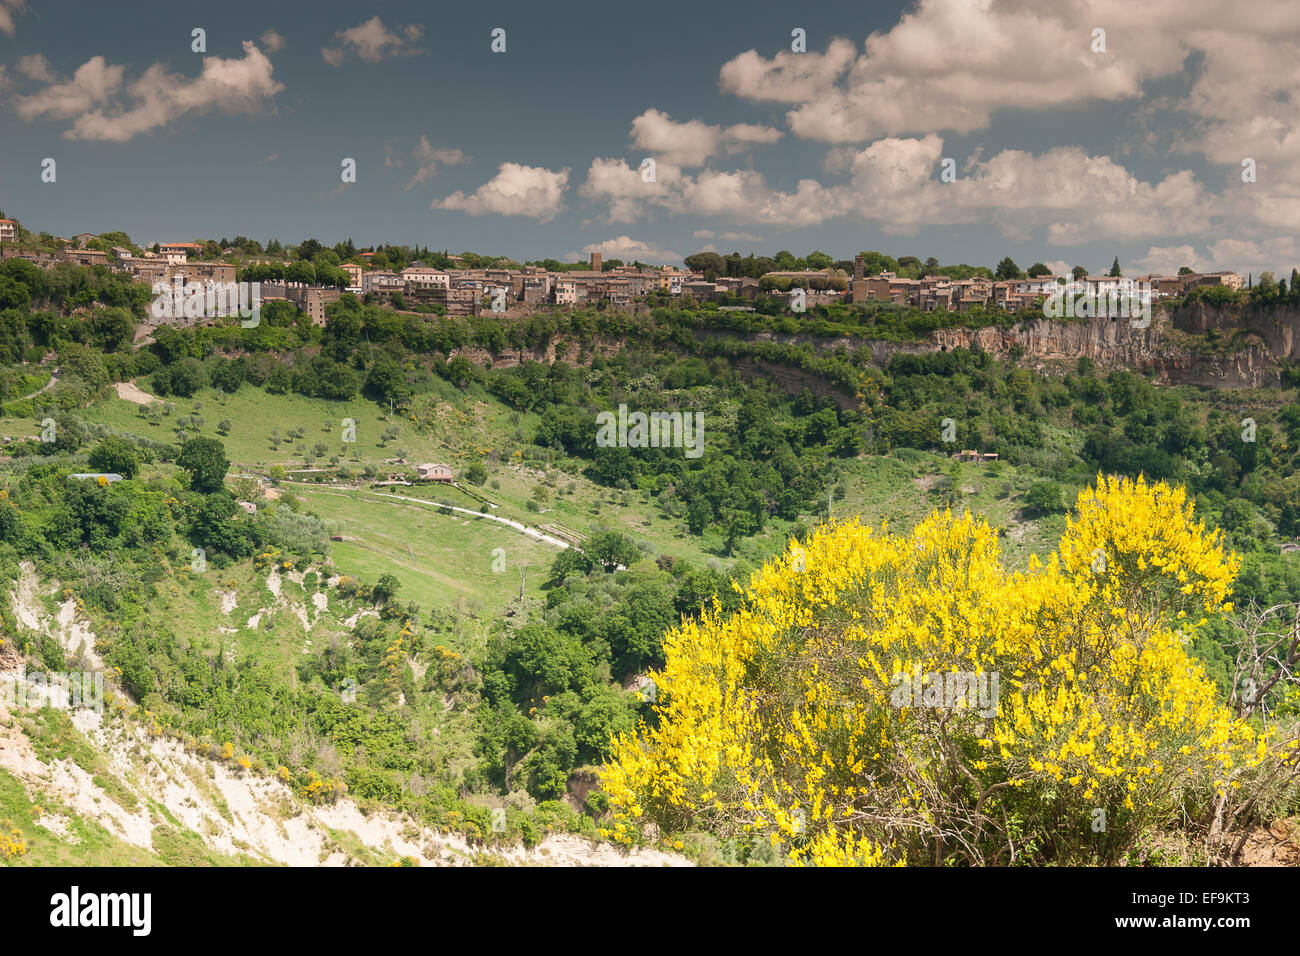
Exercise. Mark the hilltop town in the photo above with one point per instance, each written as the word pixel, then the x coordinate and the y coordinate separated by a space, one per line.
pixel 463 288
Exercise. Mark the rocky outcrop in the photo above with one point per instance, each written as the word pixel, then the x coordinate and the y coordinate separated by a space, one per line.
pixel 1202 347
pixel 1199 344
pixel 1278 327
pixel 1233 347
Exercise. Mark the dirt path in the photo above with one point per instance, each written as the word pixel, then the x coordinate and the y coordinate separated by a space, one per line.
pixel 518 526
pixel 54 380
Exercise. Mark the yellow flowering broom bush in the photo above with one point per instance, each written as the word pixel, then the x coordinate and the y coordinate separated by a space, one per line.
pixel 891 699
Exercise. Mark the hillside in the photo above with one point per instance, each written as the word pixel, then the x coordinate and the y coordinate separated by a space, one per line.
pixel 115 788
pixel 440 670
pixel 106 792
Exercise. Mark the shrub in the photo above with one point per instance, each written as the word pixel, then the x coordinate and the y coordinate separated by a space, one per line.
pixel 1044 498
pixel 810 716
pixel 12 843
pixel 115 454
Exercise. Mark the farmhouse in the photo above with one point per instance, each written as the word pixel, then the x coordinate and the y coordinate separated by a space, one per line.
pixel 970 455
pixel 432 472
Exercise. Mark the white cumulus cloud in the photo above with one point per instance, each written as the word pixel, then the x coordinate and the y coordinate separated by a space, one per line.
pixel 9 10
pixel 429 158
pixel 692 142
pixel 374 42
pixel 1073 196
pixel 271 42
pixel 34 66
pixel 629 250
pixel 1279 255
pixel 103 106
pixel 516 190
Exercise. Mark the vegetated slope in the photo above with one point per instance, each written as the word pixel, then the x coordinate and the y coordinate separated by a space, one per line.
pixel 491 668
pixel 92 791
pixel 117 788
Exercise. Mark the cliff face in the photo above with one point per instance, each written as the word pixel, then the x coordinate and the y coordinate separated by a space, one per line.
pixel 1198 345
pixel 1230 347
pixel 1278 328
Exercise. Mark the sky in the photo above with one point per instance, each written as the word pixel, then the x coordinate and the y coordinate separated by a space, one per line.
pixel 1064 132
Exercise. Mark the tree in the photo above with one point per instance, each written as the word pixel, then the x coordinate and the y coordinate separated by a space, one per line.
pixel 205 460
pixel 710 263
pixel 1266 288
pixel 308 248
pixel 1288 522
pixel 228 376
pixel 300 271
pixel 112 329
pixel 1039 269
pixel 385 381
pixel 84 364
pixel 1184 270
pixel 1078 272
pixel 1044 497
pixel 612 550
pixel 476 474
pixel 1238 515
pixel 1114 268
pixel 115 454
pixel 875 263
pixel 184 378
pixel 1007 269
pixel 386 589
pixel 10 525
pixel 220 526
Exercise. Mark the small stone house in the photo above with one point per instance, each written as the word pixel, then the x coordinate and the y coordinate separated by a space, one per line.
pixel 434 472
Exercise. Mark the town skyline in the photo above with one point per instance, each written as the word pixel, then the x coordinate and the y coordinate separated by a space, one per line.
pixel 207 280
pixel 451 248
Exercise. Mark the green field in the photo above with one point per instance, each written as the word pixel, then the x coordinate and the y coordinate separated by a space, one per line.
pixel 446 425
pixel 255 415
pixel 442 560
pixel 447 560
pixel 901 492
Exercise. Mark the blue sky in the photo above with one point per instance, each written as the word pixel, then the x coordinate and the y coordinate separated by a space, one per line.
pixel 1063 152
